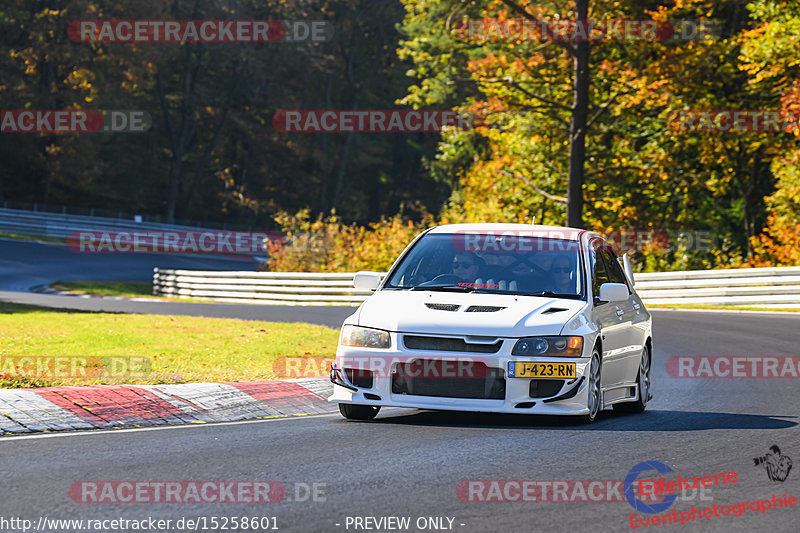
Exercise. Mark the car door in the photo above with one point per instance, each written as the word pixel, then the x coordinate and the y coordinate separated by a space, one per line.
pixel 631 343
pixel 606 316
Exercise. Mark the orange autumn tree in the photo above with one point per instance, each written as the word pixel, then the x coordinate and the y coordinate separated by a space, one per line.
pixel 326 244
pixel 771 58
pixel 639 173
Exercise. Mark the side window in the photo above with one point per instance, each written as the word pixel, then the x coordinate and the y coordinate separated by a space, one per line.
pixel 615 272
pixel 599 272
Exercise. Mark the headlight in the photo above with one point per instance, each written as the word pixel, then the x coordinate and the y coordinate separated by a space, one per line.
pixel 366 337
pixel 558 346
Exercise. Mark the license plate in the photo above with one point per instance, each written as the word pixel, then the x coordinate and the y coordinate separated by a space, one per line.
pixel 518 369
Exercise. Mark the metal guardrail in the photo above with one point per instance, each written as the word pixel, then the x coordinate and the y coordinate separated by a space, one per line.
pixel 269 288
pixel 749 286
pixel 741 286
pixel 61 225
pixel 102 213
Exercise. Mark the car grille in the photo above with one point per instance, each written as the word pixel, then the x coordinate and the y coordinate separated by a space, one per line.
pixel 490 386
pixel 544 388
pixel 448 344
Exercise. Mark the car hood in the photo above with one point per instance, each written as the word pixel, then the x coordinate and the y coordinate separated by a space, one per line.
pixel 431 312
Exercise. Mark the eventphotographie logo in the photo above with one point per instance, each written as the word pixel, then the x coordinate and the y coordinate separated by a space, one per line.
pixel 775 463
pixel 630 483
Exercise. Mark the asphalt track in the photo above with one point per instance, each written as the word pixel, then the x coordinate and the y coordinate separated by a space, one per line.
pixel 408 463
pixel 27 265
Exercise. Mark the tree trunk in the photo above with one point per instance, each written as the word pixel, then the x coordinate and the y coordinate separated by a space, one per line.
pixel 180 139
pixel 577 127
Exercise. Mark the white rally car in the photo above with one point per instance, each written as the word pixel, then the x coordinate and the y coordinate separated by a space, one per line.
pixel 502 318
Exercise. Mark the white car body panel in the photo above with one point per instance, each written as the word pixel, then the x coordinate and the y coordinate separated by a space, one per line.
pixel 622 329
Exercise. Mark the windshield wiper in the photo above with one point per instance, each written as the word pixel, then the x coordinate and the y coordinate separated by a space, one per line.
pixel 554 294
pixel 443 288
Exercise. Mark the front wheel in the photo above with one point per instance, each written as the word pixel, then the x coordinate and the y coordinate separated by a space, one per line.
pixel 594 394
pixel 354 411
pixel 642 385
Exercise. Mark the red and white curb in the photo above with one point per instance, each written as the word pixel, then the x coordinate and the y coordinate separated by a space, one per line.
pixel 112 406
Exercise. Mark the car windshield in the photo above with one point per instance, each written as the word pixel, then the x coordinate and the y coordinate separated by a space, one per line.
pixel 502 264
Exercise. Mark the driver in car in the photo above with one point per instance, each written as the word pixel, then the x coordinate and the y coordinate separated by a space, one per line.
pixel 466 267
pixel 561 271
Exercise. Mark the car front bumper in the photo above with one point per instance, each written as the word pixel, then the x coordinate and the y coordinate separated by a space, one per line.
pixel 516 395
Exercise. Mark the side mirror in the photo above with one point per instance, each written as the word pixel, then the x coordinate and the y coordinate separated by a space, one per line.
pixel 626 265
pixel 367 280
pixel 613 292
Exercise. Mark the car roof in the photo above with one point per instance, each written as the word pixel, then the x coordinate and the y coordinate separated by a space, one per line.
pixel 522 230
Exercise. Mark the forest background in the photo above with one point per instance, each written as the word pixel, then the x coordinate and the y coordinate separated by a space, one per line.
pixel 559 124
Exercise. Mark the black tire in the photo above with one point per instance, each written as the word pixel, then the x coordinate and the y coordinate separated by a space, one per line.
pixel 593 384
pixel 354 411
pixel 642 384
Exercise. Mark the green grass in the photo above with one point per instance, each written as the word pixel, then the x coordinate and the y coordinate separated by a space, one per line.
pixel 723 307
pixel 173 349
pixel 130 289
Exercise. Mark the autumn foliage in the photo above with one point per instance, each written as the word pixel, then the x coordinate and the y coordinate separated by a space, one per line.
pixel 326 244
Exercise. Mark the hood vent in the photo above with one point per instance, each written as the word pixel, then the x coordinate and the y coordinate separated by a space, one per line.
pixel 443 307
pixel 554 310
pixel 483 309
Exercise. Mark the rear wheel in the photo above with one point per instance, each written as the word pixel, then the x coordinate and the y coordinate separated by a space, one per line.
pixel 354 411
pixel 594 394
pixel 642 384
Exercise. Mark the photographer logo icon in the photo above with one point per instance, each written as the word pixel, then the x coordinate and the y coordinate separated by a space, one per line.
pixel 776 464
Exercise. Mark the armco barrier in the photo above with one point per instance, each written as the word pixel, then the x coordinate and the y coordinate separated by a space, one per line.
pixel 749 286
pixel 61 225
pixel 741 286
pixel 269 288
pixel 44 224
